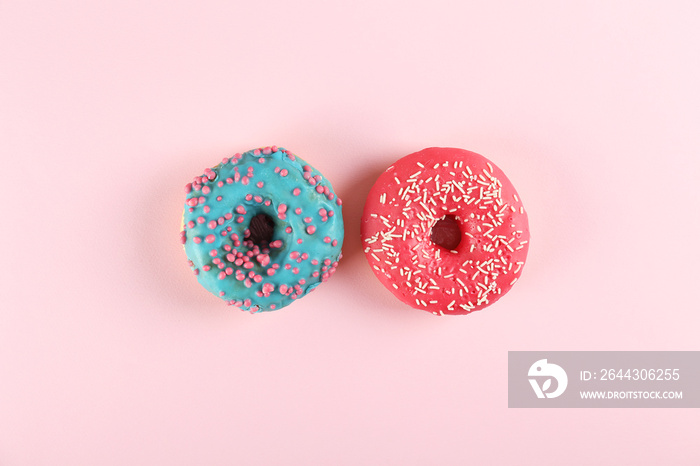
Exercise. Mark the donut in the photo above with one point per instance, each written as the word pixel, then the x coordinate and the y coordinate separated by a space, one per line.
pixel 262 229
pixel 445 231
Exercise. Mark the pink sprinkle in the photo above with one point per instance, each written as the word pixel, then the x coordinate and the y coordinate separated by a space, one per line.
pixel 229 180
pixel 319 189
pixel 206 268
pixel 288 230
pixel 212 224
pixel 327 239
pixel 240 209
pixel 218 198
pixel 311 229
pixel 245 181
pixel 197 239
pixel 299 241
pixel 192 202
pixel 283 288
pixel 282 208
pixel 330 213
pixel 296 191
pixel 257 278
pixel 270 271
pixel 256 152
pixel 188 188
pixel 206 190
pixel 213 253
pixel 228 271
pixel 334 243
pixel 294 254
pixel 190 224
pixel 248 265
pixel 307 219
pixel 267 151
pixel 260 184
pixel 295 270
pixel 297 210
pixel 263 259
pixel 222 275
pixel 257 199
pixel 206 209
pixel 201 220
pixel 210 238
pixel 284 172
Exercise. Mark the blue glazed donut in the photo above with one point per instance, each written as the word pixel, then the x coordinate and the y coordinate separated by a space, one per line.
pixel 262 229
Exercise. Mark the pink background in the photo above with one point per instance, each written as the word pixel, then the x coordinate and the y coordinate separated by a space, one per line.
pixel 111 352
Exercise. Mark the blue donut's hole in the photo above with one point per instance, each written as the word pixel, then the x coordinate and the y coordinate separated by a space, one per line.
pixel 446 232
pixel 261 230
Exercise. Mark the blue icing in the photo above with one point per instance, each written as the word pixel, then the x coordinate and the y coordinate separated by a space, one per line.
pixel 297 268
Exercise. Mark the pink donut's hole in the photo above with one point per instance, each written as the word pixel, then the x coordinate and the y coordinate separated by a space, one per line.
pixel 446 232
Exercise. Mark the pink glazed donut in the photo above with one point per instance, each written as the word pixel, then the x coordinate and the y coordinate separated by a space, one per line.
pixel 445 231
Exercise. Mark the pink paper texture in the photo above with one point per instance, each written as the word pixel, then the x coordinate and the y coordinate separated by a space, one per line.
pixel 110 351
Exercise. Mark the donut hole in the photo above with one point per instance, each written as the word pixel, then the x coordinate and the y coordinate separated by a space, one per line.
pixel 261 230
pixel 446 233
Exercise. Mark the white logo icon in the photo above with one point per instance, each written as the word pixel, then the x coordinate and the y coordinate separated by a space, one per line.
pixel 543 369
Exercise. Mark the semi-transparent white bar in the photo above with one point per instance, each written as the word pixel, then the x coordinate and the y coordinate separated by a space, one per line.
pixel 604 379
